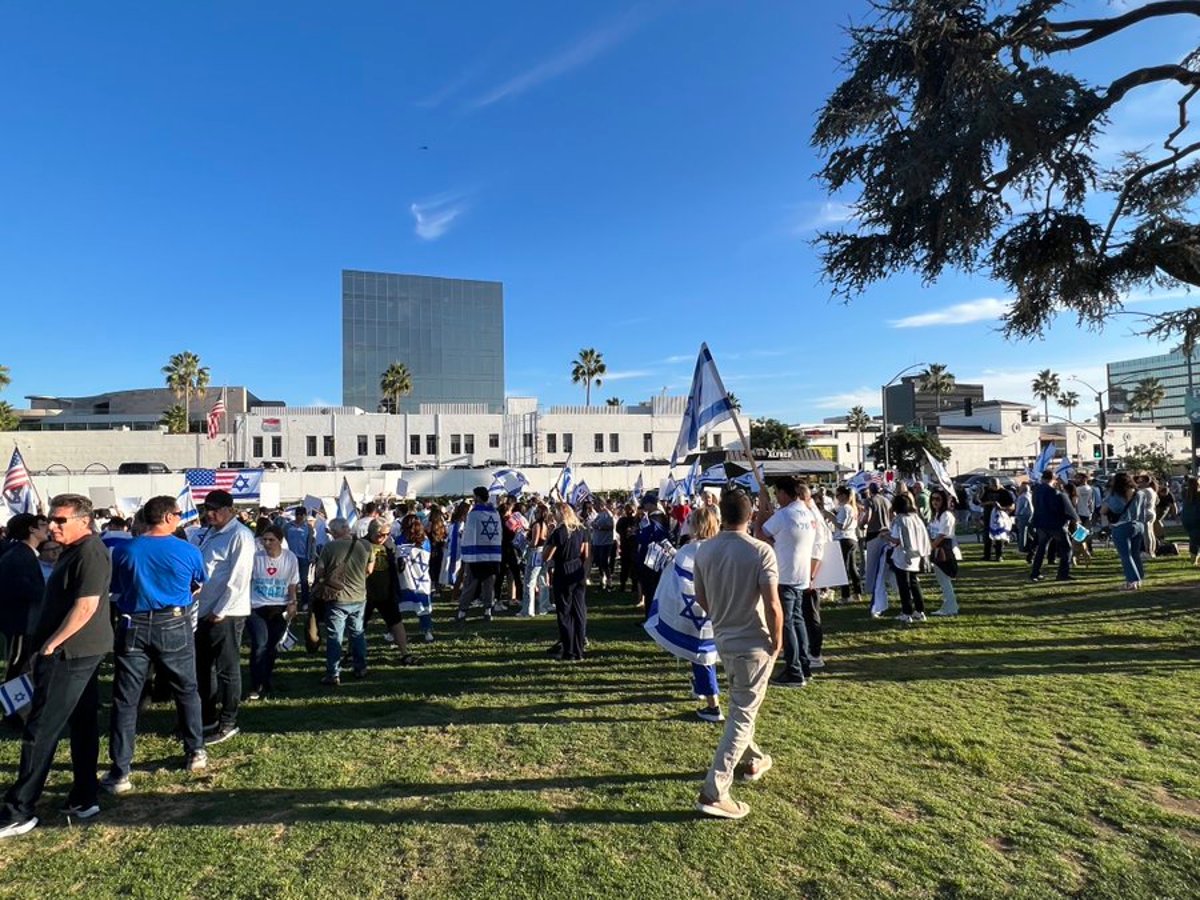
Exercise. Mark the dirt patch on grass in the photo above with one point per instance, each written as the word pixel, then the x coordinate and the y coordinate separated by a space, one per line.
pixel 1002 845
pixel 1180 806
pixel 908 815
pixel 1105 829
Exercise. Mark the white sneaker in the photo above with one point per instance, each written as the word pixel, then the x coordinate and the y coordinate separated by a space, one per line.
pixel 918 617
pixel 944 612
pixel 816 662
pixel 15 827
pixel 904 619
pixel 429 637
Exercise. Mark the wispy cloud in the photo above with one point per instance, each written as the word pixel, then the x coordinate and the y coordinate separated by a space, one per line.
pixel 984 309
pixel 588 48
pixel 626 376
pixel 435 216
pixel 813 217
pixel 864 396
pixel 680 358
pixel 452 87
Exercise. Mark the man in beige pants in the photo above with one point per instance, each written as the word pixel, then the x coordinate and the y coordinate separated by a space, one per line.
pixel 737 584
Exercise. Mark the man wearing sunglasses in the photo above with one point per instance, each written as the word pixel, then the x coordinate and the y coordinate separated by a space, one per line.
pixel 73 635
pixel 155 576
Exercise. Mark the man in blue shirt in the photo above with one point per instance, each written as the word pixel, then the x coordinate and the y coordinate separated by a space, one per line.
pixel 1054 518
pixel 302 541
pixel 157 575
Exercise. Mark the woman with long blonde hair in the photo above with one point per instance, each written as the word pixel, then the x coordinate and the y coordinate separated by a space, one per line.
pixel 565 563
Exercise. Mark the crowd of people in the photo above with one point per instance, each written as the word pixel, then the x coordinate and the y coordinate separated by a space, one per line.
pixel 720 577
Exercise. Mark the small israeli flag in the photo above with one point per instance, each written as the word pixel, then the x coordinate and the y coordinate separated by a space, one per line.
pixel 1043 462
pixel 1065 469
pixel 582 492
pixel 188 513
pixel 714 476
pixel 287 642
pixel 16 694
pixel 507 481
pixel 691 484
pixel 565 481
pixel 637 489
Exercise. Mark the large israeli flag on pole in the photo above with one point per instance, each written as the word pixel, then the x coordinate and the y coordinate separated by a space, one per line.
pixel 714 476
pixel 565 480
pixel 708 405
pixel 346 507
pixel 1043 461
pixel 940 476
pixel 691 484
pixel 507 481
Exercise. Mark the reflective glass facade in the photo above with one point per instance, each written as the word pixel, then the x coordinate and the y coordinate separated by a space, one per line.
pixel 448 331
pixel 1171 369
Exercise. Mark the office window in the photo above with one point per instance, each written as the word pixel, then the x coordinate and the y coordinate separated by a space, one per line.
pixel 568 443
pixel 329 451
pixel 551 442
pixel 310 445
pixel 716 439
pixel 647 443
pixel 494 441
pixel 614 443
pixel 381 445
pixel 527 440
pixel 431 445
pixel 598 444
pixel 468 443
pixel 455 444
pixel 414 444
pixel 276 447
pixel 362 445
pixel 704 442
pixel 257 444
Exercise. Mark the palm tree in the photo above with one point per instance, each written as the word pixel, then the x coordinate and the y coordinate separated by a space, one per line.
pixel 186 378
pixel 1146 395
pixel 1068 401
pixel 588 367
pixel 175 419
pixel 936 380
pixel 394 383
pixel 614 401
pixel 5 378
pixel 857 420
pixel 8 417
pixel 1045 386
pixel 735 402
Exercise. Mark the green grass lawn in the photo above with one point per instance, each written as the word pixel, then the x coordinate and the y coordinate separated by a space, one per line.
pixel 1046 742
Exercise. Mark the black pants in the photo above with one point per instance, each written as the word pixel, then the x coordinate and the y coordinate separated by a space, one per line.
pixel 648 579
pixel 910 590
pixel 66 692
pixel 989 544
pixel 628 563
pixel 810 608
pixel 1055 539
pixel 218 651
pixel 570 605
pixel 850 558
pixel 510 567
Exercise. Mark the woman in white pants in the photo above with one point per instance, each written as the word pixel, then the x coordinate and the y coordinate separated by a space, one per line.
pixel 945 563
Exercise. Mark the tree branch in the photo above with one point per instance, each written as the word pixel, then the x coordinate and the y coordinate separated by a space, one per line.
pixel 1169 143
pixel 1148 169
pixel 1098 29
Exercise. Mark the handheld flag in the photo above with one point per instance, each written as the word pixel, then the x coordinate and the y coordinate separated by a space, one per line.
pixel 637 489
pixel 708 405
pixel 940 475
pixel 19 492
pixel 16 694
pixel 1065 469
pixel 748 482
pixel 346 507
pixel 582 492
pixel 507 481
pixel 714 476
pixel 565 480
pixel 691 484
pixel 187 507
pixel 1043 461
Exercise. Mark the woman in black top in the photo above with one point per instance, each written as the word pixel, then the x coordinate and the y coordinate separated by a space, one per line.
pixel 566 564
pixel 627 528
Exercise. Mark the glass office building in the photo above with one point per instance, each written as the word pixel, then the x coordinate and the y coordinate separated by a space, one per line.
pixel 448 331
pixel 1172 371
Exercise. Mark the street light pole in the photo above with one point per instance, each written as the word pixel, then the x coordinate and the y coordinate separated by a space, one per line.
pixel 887 453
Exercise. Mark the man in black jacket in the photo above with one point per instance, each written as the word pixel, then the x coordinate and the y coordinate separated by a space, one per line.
pixel 1054 517
pixel 21 588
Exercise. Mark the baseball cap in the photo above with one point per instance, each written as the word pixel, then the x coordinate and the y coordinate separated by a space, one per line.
pixel 218 500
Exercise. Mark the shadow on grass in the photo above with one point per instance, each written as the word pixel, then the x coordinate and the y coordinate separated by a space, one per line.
pixel 454 803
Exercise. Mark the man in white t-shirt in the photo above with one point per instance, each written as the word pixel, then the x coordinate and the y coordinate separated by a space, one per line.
pixel 796 535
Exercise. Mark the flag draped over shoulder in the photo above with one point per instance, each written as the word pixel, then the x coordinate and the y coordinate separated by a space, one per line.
pixel 346 507
pixel 19 493
pixel 708 405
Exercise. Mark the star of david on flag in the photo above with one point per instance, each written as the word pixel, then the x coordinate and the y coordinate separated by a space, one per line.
pixel 16 694
pixel 242 484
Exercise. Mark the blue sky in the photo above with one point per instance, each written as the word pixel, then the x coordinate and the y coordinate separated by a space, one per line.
pixel 638 174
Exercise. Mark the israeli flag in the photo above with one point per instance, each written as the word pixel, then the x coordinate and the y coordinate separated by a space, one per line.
pixel 637 489
pixel 507 481
pixel 346 507
pixel 708 405
pixel 16 694
pixel 859 482
pixel 1065 469
pixel 565 480
pixel 669 489
pixel 940 476
pixel 1043 462
pixel 691 484
pixel 748 482
pixel 582 492
pixel 714 476
pixel 287 642
pixel 188 514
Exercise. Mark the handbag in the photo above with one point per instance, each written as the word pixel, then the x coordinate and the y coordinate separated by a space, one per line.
pixel 332 581
pixel 944 558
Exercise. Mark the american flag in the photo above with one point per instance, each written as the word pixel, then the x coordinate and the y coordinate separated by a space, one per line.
pixel 214 418
pixel 243 484
pixel 19 492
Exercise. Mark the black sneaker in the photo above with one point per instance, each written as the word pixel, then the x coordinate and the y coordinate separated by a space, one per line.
pixel 360 673
pixel 710 714
pixel 12 826
pixel 224 733
pixel 789 680
pixel 331 680
pixel 77 811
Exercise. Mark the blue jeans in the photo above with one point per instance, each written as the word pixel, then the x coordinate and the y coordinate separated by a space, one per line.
pixel 303 563
pixel 265 627
pixel 163 637
pixel 795 634
pixel 340 618
pixel 66 693
pixel 1127 538
pixel 704 680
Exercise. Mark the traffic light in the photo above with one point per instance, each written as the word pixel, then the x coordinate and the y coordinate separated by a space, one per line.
pixel 1111 453
pixel 1097 452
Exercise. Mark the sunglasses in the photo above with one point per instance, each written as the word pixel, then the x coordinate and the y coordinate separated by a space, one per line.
pixel 63 520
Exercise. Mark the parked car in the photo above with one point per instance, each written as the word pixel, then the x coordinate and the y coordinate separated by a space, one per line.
pixel 234 464
pixel 143 468
pixel 276 465
pixel 316 467
pixel 391 467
